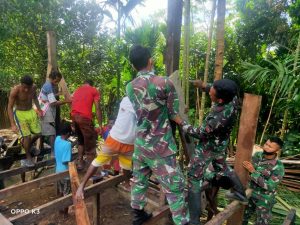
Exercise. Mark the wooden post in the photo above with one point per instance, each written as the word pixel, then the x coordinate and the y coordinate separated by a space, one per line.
pixel 96 209
pixel 290 218
pixel 52 62
pixel 174 21
pixel 246 140
pixel 82 217
pixel 158 215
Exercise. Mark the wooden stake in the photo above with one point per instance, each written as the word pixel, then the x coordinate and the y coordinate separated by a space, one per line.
pixel 82 217
pixel 246 140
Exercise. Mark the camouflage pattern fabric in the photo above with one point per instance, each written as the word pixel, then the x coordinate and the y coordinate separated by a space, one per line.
pixel 264 181
pixel 168 175
pixel 156 102
pixel 213 138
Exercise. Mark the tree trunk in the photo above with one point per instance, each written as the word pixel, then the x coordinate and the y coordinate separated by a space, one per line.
pixel 210 31
pixel 174 21
pixel 118 50
pixel 186 51
pixel 220 39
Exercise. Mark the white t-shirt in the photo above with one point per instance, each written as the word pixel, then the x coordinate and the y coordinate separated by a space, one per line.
pixel 125 125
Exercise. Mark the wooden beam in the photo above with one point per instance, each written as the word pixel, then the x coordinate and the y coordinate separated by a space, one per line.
pixel 245 143
pixel 290 218
pixel 19 170
pixel 4 221
pixel 63 202
pixel 13 142
pixel 228 211
pixel 21 188
pixel 158 215
pixel 52 63
pixel 81 214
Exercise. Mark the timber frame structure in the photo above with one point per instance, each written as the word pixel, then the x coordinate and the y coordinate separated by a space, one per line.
pixel 248 123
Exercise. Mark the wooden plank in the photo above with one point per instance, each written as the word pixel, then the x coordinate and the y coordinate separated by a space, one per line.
pixel 228 211
pixel 290 218
pixel 13 142
pixel 21 188
pixel 245 143
pixel 290 162
pixel 158 215
pixel 19 170
pixel 63 202
pixel 294 171
pixel 4 221
pixel 81 214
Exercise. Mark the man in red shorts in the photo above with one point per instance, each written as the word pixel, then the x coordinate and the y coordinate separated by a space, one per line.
pixel 83 99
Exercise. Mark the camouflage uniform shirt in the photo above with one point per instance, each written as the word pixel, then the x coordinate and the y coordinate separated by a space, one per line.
pixel 264 181
pixel 215 130
pixel 155 101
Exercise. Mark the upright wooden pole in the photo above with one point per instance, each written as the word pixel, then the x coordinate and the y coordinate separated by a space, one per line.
pixel 174 21
pixel 81 214
pixel 52 62
pixel 246 140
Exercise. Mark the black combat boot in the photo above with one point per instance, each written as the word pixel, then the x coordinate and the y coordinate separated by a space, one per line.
pixel 238 189
pixel 140 216
pixel 194 202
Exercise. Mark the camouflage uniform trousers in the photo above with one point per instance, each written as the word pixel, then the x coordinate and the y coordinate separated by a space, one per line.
pixel 205 165
pixel 169 176
pixel 263 209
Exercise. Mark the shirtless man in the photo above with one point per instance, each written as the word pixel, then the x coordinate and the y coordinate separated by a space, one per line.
pixel 24 118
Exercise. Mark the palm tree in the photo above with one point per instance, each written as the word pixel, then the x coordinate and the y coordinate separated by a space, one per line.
pixel 221 9
pixel 280 79
pixel 123 14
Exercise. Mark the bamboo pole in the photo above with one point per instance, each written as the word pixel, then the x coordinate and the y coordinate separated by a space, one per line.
pixel 208 50
pixel 186 51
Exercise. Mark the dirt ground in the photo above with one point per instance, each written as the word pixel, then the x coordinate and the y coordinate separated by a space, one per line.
pixel 114 206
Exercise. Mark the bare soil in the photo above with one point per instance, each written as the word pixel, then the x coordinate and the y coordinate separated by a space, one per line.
pixel 114 206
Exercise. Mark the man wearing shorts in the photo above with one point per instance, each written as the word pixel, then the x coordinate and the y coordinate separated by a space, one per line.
pixel 119 142
pixel 82 102
pixel 48 104
pixel 24 118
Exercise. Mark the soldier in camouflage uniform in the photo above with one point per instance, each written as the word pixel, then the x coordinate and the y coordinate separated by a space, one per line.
pixel 213 135
pixel 266 172
pixel 155 101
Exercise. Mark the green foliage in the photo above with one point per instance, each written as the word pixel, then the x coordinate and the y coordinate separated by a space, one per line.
pixel 275 80
pixel 291 144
